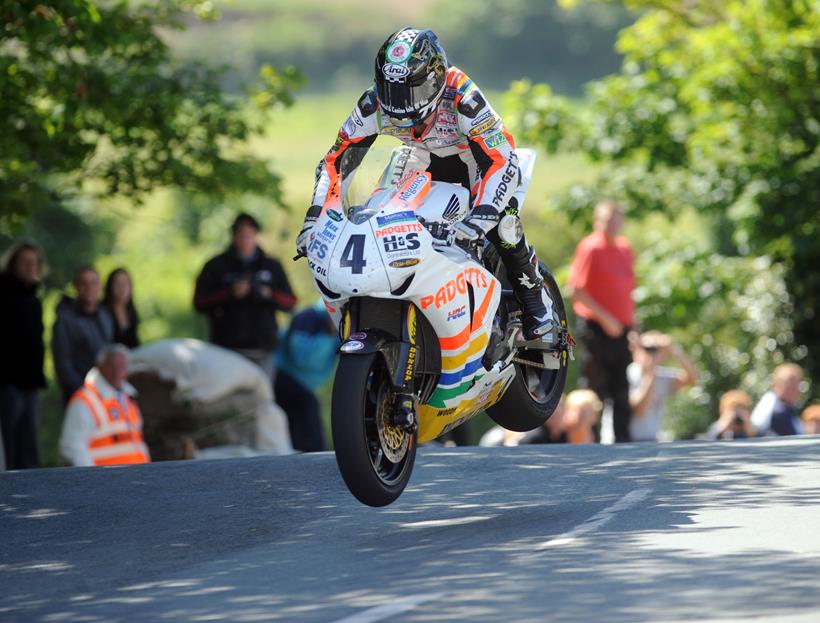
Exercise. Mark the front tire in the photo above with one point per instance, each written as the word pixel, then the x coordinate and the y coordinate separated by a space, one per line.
pixel 534 393
pixel 374 458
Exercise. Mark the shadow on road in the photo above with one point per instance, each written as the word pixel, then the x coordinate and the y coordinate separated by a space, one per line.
pixel 280 538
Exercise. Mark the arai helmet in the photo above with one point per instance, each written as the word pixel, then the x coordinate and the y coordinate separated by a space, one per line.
pixel 411 69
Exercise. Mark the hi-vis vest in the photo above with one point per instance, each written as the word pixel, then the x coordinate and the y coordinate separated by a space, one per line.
pixel 118 437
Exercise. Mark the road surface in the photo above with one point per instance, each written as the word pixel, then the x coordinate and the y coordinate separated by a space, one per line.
pixel 672 532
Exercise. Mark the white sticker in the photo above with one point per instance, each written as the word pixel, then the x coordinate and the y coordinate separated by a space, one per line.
pixel 351 346
pixel 391 70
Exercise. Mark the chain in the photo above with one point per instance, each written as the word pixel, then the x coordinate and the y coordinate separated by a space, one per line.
pixel 527 362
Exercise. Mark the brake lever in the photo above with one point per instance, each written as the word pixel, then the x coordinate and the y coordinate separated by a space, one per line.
pixel 299 256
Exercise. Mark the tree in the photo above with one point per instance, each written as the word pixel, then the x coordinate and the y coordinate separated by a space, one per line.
pixel 716 107
pixel 732 313
pixel 91 102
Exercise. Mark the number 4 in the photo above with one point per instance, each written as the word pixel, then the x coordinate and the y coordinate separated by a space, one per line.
pixel 353 254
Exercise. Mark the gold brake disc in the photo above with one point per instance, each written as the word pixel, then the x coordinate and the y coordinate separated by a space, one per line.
pixel 394 440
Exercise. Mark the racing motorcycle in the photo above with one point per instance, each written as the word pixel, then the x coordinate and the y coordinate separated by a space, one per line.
pixel 430 328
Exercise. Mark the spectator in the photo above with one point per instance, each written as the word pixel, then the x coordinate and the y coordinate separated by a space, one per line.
pixel 811 419
pixel 776 413
pixel 82 328
pixel 581 415
pixel 21 355
pixel 651 384
pixel 240 291
pixel 553 430
pixel 601 281
pixel 498 436
pixel 306 357
pixel 103 425
pixel 119 301
pixel 734 421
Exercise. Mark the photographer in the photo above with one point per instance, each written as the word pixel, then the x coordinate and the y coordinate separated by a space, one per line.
pixel 651 383
pixel 734 421
pixel 240 291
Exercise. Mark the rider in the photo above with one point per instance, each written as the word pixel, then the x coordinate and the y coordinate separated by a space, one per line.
pixel 434 108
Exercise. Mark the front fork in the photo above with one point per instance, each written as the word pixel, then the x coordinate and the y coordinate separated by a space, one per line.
pixel 400 356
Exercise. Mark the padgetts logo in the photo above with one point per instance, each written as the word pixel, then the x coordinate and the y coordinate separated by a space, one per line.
pixel 449 290
pixel 403 228
pixel 509 175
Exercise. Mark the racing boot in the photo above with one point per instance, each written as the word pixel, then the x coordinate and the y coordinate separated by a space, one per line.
pixel 521 264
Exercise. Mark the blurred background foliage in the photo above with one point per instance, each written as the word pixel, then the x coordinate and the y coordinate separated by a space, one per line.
pixel 133 131
pixel 334 43
pixel 714 109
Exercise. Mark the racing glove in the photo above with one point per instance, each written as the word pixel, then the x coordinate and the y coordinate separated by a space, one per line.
pixel 303 238
pixel 477 224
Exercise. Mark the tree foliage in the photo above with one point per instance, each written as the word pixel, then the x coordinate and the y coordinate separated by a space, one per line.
pixel 716 107
pixel 731 313
pixel 91 101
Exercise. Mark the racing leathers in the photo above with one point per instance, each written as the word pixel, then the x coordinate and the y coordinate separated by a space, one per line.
pixel 465 142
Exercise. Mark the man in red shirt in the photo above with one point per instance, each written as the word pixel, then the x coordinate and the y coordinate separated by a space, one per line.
pixel 602 278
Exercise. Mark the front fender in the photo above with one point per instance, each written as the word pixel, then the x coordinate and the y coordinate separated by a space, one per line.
pixel 366 342
pixel 394 352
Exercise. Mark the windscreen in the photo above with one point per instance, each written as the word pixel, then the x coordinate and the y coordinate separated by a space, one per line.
pixel 370 176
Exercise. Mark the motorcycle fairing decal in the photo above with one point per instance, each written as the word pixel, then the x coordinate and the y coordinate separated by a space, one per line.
pixel 455 342
pixel 481 312
pixel 433 420
pixel 449 378
pixel 464 366
pixel 442 395
pixel 415 190
pixel 477 346
pixel 327 235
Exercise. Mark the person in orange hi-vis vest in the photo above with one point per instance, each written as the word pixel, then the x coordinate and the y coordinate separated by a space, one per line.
pixel 103 424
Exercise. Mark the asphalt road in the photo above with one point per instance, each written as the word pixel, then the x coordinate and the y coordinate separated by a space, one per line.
pixel 674 532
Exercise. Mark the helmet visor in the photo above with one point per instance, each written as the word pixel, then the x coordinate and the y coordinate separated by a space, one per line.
pixel 401 100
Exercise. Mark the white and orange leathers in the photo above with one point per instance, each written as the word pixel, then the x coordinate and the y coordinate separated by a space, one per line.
pixel 103 426
pixel 465 125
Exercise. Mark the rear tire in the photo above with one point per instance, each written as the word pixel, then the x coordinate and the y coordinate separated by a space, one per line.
pixel 365 443
pixel 534 393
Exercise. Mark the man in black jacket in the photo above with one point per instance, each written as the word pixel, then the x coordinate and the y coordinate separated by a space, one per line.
pixel 21 354
pixel 240 291
pixel 82 328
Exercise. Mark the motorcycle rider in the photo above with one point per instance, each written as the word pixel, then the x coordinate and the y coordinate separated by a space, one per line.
pixel 455 134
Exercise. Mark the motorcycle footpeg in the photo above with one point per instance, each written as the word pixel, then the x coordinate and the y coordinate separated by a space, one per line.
pixel 544 342
pixel 548 341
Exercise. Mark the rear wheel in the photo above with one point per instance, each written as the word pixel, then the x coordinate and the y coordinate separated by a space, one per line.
pixel 374 457
pixel 538 384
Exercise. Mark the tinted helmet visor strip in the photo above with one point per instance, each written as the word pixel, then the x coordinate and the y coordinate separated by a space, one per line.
pixel 406 104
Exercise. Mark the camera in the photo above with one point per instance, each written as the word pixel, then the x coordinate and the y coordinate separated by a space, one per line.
pixel 738 419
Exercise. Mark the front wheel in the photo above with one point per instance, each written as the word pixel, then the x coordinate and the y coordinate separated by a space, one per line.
pixel 536 390
pixel 374 457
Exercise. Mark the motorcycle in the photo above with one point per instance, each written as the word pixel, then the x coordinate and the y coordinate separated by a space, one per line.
pixel 430 328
